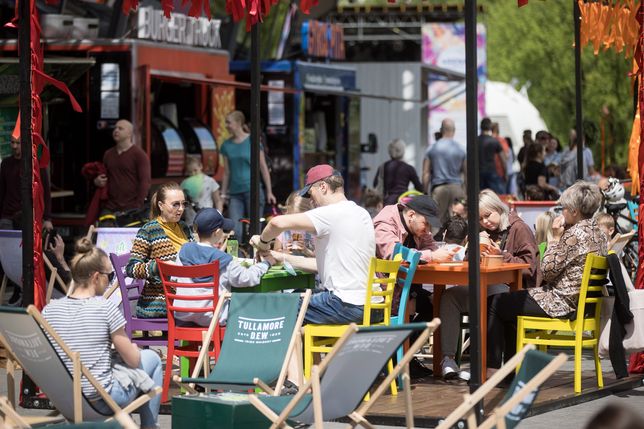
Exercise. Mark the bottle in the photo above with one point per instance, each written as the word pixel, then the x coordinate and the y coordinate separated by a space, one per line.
pixel 232 247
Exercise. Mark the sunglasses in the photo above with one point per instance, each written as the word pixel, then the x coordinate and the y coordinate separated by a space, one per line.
pixel 177 204
pixel 110 275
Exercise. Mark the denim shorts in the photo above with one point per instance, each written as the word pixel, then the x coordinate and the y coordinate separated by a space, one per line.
pixel 327 309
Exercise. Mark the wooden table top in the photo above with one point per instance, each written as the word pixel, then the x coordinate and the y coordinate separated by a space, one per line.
pixel 462 267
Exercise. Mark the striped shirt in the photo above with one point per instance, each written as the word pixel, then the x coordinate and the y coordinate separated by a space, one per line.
pixel 86 326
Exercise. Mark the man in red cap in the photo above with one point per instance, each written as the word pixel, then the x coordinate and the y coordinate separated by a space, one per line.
pixel 345 243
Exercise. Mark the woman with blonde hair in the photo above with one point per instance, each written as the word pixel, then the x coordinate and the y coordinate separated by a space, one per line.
pixel 160 238
pixel 503 233
pixel 90 325
pixel 235 187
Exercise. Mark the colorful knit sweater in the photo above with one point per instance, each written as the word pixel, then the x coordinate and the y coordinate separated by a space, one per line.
pixel 151 243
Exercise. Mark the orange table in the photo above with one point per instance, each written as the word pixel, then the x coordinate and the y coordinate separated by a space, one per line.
pixel 454 273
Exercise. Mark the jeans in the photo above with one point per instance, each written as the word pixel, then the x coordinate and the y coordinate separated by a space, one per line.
pixel 491 180
pixel 502 324
pixel 151 364
pixel 239 208
pixel 327 309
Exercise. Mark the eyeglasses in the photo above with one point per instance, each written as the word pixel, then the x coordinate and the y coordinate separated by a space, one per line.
pixel 308 194
pixel 110 275
pixel 177 204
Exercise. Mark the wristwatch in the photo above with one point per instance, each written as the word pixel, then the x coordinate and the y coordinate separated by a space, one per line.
pixel 265 242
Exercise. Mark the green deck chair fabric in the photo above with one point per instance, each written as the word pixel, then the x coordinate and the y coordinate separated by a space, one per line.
pixel 36 354
pixel 533 362
pixel 258 333
pixel 350 374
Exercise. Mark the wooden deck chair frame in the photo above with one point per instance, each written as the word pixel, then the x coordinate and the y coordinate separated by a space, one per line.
pixel 465 411
pixel 120 414
pixel 358 416
pixel 294 350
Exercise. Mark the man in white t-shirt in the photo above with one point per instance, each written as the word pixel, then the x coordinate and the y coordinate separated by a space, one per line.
pixel 345 243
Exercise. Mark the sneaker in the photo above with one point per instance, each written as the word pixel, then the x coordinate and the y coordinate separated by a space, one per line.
pixel 289 388
pixel 450 368
pixel 418 370
pixel 464 375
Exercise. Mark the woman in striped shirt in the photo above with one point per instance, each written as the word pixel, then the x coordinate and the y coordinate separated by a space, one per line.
pixel 90 324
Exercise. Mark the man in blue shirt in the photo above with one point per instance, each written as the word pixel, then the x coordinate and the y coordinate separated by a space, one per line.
pixel 444 170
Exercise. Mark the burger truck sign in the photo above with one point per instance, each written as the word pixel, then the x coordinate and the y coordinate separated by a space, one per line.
pixel 180 28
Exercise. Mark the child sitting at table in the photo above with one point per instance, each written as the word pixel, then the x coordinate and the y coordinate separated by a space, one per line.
pixel 543 230
pixel 298 243
pixel 606 223
pixel 455 236
pixel 209 225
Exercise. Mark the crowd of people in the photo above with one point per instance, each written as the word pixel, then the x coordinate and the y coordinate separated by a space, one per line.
pixel 324 232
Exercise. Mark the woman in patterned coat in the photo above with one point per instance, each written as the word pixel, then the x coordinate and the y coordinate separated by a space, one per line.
pixel 162 238
pixel 575 235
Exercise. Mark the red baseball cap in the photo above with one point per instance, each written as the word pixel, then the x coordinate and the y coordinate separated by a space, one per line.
pixel 315 174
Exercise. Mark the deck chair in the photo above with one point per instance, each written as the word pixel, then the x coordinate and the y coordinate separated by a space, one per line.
pixel 13 420
pixel 536 368
pixel 338 385
pixel 30 339
pixel 263 330
pixel 130 291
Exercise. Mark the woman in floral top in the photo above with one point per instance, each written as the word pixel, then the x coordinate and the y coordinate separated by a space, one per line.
pixel 575 235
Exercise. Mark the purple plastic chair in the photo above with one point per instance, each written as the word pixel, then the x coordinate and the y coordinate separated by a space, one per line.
pixel 130 293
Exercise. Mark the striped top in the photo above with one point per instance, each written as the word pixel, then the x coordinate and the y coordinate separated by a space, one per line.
pixel 86 326
pixel 152 242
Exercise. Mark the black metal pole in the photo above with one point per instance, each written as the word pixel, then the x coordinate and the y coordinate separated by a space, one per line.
pixel 473 256
pixel 579 126
pixel 255 132
pixel 26 193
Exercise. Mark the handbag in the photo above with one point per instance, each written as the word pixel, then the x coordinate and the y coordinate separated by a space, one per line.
pixel 634 338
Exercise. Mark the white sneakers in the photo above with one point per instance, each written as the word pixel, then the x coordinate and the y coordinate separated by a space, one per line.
pixel 451 370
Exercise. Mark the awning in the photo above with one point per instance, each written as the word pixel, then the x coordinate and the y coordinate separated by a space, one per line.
pixel 64 69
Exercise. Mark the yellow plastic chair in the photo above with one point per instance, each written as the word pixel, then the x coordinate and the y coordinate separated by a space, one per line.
pixel 581 332
pixel 321 338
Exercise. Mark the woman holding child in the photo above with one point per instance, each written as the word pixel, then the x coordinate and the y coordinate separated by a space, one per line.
pixel 503 233
pixel 574 235
pixel 162 238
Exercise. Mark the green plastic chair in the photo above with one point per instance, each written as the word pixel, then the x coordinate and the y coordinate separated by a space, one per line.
pixel 261 333
pixel 338 385
pixel 536 368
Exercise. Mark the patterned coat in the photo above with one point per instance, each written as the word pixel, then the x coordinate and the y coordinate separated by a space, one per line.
pixel 151 243
pixel 563 267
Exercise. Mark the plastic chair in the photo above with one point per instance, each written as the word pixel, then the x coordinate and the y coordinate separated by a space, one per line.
pixel 582 331
pixel 263 331
pixel 536 368
pixel 411 258
pixel 338 385
pixel 634 210
pixel 130 292
pixel 206 286
pixel 320 338
pixel 33 343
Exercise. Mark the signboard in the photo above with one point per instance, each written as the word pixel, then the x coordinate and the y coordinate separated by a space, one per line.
pixel 321 39
pixel 181 29
pixel 115 240
pixel 325 75
pixel 443 46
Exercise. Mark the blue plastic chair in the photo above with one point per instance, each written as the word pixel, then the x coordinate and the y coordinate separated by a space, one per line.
pixel 403 280
pixel 633 209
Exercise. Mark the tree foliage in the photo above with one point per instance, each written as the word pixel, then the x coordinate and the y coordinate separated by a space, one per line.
pixel 533 45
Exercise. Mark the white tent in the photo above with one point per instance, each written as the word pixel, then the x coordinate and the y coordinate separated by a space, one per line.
pixel 513 111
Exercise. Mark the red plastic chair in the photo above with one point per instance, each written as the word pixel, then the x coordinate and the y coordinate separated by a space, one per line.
pixel 186 332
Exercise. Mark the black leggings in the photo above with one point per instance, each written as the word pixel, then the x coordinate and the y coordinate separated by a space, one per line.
pixel 502 324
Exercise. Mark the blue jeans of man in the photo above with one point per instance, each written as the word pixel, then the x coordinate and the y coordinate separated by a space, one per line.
pixel 491 180
pixel 325 308
pixel 149 412
pixel 239 208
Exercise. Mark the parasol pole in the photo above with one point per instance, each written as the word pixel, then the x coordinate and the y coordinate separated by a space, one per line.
pixel 579 126
pixel 255 132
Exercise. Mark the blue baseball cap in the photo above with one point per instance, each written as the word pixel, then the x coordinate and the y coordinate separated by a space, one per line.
pixel 209 219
